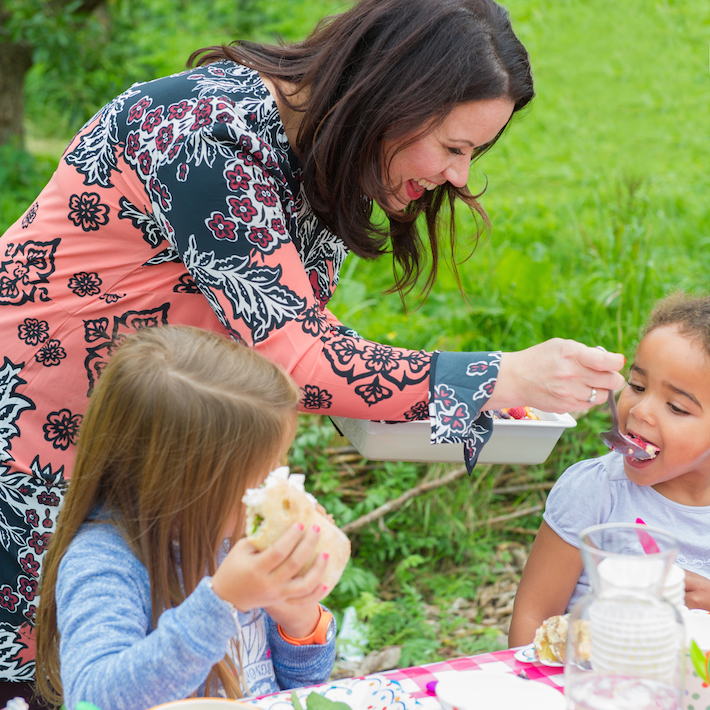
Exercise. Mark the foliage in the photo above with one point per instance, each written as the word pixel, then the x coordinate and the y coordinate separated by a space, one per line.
pixel 81 63
pixel 22 176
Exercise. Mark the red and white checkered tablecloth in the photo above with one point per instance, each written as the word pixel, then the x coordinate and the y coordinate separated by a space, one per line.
pixel 414 680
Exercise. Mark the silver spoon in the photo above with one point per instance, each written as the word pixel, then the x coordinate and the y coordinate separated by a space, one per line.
pixel 619 442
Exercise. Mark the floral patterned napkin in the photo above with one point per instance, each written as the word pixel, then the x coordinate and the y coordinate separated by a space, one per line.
pixel 371 693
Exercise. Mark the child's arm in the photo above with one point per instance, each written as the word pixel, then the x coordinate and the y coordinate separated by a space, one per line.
pixel 309 661
pixel 550 576
pixel 697 591
pixel 110 655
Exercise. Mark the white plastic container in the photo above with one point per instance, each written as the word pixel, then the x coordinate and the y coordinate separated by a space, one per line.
pixel 518 441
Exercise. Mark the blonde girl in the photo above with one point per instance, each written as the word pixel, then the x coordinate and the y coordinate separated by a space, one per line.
pixel 150 592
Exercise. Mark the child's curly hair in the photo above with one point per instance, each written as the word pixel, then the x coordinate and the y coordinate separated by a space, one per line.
pixel 690 314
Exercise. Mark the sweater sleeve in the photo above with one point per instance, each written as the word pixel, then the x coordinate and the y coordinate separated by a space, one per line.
pixel 298 666
pixel 109 655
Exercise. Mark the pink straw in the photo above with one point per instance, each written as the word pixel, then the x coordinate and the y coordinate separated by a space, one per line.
pixel 647 542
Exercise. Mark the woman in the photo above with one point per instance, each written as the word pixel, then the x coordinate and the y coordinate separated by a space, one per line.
pixel 227 197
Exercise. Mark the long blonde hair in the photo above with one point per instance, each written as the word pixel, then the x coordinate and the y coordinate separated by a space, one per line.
pixel 181 422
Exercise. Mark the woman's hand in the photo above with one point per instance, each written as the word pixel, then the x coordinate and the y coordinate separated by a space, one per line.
pixel 556 376
pixel 248 579
pixel 697 591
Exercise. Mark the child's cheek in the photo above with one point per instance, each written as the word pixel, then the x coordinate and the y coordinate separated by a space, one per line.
pixel 623 406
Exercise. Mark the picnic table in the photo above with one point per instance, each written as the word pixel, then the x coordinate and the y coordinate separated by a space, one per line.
pixel 414 680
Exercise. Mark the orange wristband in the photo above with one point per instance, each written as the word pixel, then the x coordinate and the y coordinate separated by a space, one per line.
pixel 317 636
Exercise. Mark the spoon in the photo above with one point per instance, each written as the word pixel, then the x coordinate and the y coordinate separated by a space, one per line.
pixel 619 442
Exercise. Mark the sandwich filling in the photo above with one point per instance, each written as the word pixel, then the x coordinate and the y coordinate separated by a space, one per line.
pixel 254 498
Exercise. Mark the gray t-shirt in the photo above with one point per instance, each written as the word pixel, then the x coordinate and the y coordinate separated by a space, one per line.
pixel 597 491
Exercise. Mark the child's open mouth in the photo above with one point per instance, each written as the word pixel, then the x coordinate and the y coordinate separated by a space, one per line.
pixel 647 446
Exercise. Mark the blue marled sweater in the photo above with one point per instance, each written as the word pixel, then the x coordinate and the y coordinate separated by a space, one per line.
pixel 112 657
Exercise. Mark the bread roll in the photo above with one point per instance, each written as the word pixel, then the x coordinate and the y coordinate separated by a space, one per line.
pixel 551 639
pixel 282 501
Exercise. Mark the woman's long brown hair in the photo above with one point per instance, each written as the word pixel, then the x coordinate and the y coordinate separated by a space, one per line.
pixel 389 70
pixel 180 423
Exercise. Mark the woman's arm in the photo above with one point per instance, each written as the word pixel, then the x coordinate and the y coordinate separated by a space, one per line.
pixel 546 586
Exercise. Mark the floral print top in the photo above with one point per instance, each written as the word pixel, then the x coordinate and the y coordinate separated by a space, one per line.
pixel 180 202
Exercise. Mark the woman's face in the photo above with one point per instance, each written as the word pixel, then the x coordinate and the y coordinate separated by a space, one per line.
pixel 444 154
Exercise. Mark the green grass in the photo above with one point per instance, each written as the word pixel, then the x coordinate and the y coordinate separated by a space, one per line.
pixel 598 197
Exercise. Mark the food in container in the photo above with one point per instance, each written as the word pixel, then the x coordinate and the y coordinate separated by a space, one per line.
pixel 516 441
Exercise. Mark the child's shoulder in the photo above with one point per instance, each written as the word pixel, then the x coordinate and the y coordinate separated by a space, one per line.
pixel 99 558
pixel 98 543
pixel 602 469
pixel 587 493
pixel 94 533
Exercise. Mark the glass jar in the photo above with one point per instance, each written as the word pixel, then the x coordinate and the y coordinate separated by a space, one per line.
pixel 625 642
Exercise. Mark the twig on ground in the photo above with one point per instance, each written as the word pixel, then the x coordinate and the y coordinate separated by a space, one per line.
pixel 522 531
pixel 544 486
pixel 509 516
pixel 407 495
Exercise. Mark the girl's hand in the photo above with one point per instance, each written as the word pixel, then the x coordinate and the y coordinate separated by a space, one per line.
pixel 249 579
pixel 697 591
pixel 556 376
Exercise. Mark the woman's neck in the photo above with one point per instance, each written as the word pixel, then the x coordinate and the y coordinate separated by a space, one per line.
pixel 290 118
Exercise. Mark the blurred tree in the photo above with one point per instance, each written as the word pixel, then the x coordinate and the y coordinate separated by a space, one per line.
pixel 25 26
pixel 67 58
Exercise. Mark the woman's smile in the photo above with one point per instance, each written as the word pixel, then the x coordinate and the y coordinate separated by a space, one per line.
pixel 444 154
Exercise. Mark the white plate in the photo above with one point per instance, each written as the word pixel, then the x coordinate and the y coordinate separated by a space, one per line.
pixel 516 441
pixel 527 654
pixel 370 693
pixel 485 690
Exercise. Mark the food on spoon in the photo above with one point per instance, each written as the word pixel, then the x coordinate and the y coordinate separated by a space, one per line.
pixel 515 413
pixel 551 639
pixel 281 501
pixel 647 446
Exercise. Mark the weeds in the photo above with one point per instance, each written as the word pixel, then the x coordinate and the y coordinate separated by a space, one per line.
pixel 22 177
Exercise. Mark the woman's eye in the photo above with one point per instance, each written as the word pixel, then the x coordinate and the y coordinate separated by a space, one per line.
pixel 455 151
